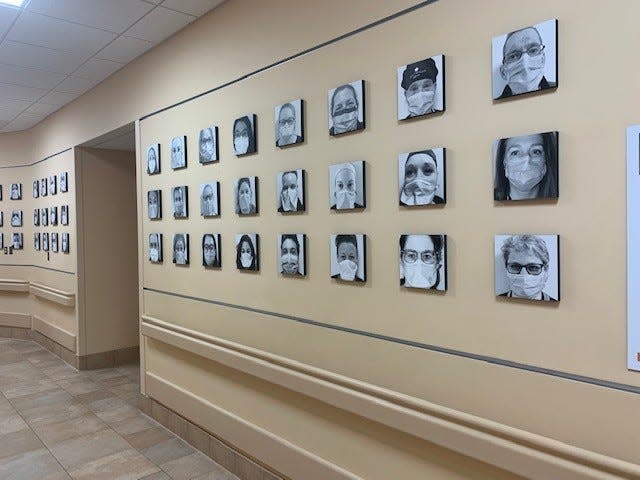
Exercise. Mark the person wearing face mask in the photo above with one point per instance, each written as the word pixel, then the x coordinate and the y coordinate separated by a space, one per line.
pixel 208 201
pixel 419 85
pixel 348 259
pixel 208 146
pixel 420 181
pixel 155 247
pixel 526 259
pixel 178 152
pixel 15 191
pixel 246 258
pixel 153 204
pixel 421 259
pixel 209 251
pixel 180 249
pixel 523 63
pixel 65 243
pixel 180 202
pixel 244 140
pixel 244 197
pixel 345 188
pixel 286 126
pixel 289 198
pixel 526 167
pixel 344 110
pixel 153 163
pixel 290 254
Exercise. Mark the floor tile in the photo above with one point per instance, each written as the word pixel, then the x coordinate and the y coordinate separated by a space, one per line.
pixel 41 399
pixel 168 450
pixel 188 467
pixel 57 432
pixel 218 473
pixel 54 413
pixel 134 424
pixel 145 439
pixel 38 464
pixel 87 448
pixel 79 386
pixel 19 442
pixel 127 465
pixel 61 372
pixel 11 422
pixel 27 387
pixel 157 476
pixel 94 396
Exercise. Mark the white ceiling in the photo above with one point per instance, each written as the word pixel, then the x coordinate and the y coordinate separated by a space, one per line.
pixel 52 51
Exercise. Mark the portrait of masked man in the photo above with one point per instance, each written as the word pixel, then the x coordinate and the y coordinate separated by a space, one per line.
pixel 291 185
pixel 289 123
pixel 348 262
pixel 346 109
pixel 154 204
pixel 291 253
pixel 422 261
pixel 421 92
pixel 421 177
pixel 245 199
pixel 155 247
pixel 208 145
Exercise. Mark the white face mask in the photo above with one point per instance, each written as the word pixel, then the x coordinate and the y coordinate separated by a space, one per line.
pixel 153 253
pixel 241 144
pixel 345 200
pixel 180 257
pixel 420 275
pixel 153 211
pixel 525 175
pixel 419 192
pixel 345 120
pixel 289 199
pixel 289 263
pixel 245 260
pixel 525 74
pixel 244 202
pixel 420 103
pixel 286 131
pixel 348 270
pixel 527 286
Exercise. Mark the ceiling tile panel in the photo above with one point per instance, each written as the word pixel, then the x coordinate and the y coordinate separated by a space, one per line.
pixel 58 98
pixel 18 92
pixel 76 85
pixel 192 7
pixel 23 122
pixel 21 54
pixel 97 69
pixel 159 24
pixel 58 34
pixel 7 16
pixel 41 109
pixel 113 15
pixel 124 49
pixel 11 108
pixel 29 77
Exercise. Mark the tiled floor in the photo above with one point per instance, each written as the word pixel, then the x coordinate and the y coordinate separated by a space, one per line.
pixel 58 423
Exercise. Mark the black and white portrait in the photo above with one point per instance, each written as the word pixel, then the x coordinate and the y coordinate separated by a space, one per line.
pixel 44 216
pixel 53 185
pixel 0 192
pixel 153 160
pixel 181 249
pixel 420 88
pixel 16 218
pixel 16 191
pixel 211 250
pixel 210 199
pixel 155 247
pixel 64 181
pixel 17 241
pixel 36 217
pixel 348 257
pixel 292 254
pixel 527 267
pixel 248 252
pixel 422 177
pixel 36 241
pixel 54 242
pixel 64 215
pixel 180 202
pixel 45 242
pixel 423 261
pixel 154 204
pixel 347 185
pixel 526 167
pixel 346 108
pixel 208 145
pixel 1 240
pixel 179 152
pixel 291 192
pixel 525 60
pixel 53 215
pixel 1 219
pixel 246 193
pixel 244 135
pixel 65 243
pixel 289 123
pixel 36 189
pixel 43 187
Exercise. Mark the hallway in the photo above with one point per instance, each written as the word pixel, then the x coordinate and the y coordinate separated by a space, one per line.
pixel 58 423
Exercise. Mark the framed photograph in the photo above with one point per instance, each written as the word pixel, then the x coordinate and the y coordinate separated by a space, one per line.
pixel 211 250
pixel 153 160
pixel 180 202
pixel 248 252
pixel 527 267
pixel 1 219
pixel 36 241
pixel 347 186
pixel 35 189
pixel 179 152
pixel 422 177
pixel 526 167
pixel 292 254
pixel 64 182
pixel 525 60
pixel 44 216
pixel 65 243
pixel 155 247
pixel 290 186
pixel 53 185
pixel 53 215
pixel 54 242
pixel 244 135
pixel 36 217
pixel 210 199
pixel 16 218
pixel 423 261
pixel 64 215
pixel 246 193
pixel 208 145
pixel 348 257
pixel 289 122
pixel 2 240
pixel 181 249
pixel 45 242
pixel 17 241
pixel 1 194
pixel 16 191
pixel 420 88
pixel 43 187
pixel 346 108
pixel 154 204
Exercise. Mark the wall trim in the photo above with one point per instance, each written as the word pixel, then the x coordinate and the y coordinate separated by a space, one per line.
pixel 38 161
pixel 524 453
pixel 15 320
pixel 55 333
pixel 13 285
pixel 68 299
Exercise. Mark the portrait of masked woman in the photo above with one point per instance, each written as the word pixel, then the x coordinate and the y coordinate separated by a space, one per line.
pixel 346 108
pixel 422 177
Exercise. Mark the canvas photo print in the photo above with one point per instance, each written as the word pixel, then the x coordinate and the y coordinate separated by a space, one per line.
pixel 346 108
pixel 53 185
pixel 44 216
pixel 244 135
pixel 246 195
pixel 35 189
pixel 36 241
pixel 65 243
pixel 179 152
pixel 248 252
pixel 155 247
pixel 36 217
pixel 153 160
pixel 210 199
pixel 348 257
pixel 181 249
pixel 420 88
pixel 290 186
pixel 526 167
pixel 64 181
pixel 525 60
pixel 211 250
pixel 54 242
pixel 17 241
pixel 289 123
pixel 43 187
pixel 423 261
pixel 208 145
pixel 16 218
pixel 292 254
pixel 53 215
pixel 527 267
pixel 64 215
pixel 15 191
pixel 154 204
pixel 422 177
pixel 347 186
pixel 45 242
pixel 180 202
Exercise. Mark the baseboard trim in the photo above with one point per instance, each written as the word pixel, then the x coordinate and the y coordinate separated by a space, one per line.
pixel 13 285
pixel 55 333
pixel 14 319
pixel 518 451
pixel 110 359
pixel 68 299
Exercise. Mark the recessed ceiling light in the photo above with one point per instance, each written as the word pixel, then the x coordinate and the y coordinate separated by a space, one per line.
pixel 13 3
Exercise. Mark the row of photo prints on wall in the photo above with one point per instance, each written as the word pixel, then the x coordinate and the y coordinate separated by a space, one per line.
pixel 44 241
pixel 526 266
pixel 523 61
pixel 41 217
pixel 41 188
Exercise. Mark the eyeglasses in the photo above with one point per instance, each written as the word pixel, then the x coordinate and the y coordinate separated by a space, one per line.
pixel 287 121
pixel 411 256
pixel 532 268
pixel 532 51
pixel 209 248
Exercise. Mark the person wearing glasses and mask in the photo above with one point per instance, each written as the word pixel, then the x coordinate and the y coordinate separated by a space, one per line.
pixel 209 251
pixel 244 140
pixel 526 259
pixel 523 61
pixel 286 126
pixel 421 259
pixel 420 180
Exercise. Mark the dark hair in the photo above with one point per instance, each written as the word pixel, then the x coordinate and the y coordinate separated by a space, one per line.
pixel 240 182
pixel 246 238
pixel 346 239
pixel 287 105
pixel 348 86
pixel 213 237
pixel 290 236
pixel 252 137
pixel 548 186
pixel 438 242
